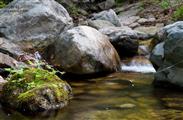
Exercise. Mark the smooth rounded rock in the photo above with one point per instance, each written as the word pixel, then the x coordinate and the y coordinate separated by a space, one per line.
pixel 84 50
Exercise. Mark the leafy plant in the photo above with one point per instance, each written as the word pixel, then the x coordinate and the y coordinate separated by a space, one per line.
pixel 2 4
pixel 178 14
pixel 165 4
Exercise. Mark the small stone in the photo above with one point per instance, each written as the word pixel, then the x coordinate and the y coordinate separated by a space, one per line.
pixel 1 41
pixel 127 106
pixel 2 82
pixel 151 19
pixel 142 21
pixel 134 25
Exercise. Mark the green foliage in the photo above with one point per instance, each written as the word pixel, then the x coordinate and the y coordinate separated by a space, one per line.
pixel 27 86
pixel 73 10
pixel 165 4
pixel 28 78
pixel 2 4
pixel 119 1
pixel 178 14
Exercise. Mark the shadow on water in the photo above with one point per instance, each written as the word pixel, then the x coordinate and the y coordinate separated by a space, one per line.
pixel 118 96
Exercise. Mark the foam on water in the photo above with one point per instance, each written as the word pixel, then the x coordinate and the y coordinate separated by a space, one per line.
pixel 138 64
pixel 138 68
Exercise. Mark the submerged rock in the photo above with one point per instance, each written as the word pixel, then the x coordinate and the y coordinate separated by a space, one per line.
pixel 33 23
pixel 127 106
pixel 84 50
pixel 172 67
pixel 35 90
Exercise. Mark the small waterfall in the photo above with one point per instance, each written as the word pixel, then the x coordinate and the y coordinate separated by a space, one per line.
pixel 138 64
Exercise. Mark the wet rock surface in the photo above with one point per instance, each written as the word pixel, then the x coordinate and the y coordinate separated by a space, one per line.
pixel 171 53
pixel 157 55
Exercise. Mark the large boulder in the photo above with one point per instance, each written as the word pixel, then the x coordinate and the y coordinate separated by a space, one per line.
pixel 35 90
pixel 172 68
pixel 84 50
pixel 108 15
pixel 33 23
pixel 124 39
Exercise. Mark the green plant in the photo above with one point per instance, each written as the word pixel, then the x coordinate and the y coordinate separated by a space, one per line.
pixel 119 1
pixel 165 4
pixel 73 10
pixel 178 13
pixel 2 4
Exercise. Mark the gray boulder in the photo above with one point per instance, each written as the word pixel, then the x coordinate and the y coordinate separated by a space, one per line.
pixel 99 24
pixel 84 50
pixel 115 33
pixel 157 55
pixel 124 39
pixel 108 15
pixel 33 23
pixel 172 68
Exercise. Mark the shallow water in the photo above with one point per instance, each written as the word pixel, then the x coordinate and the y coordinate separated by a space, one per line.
pixel 119 96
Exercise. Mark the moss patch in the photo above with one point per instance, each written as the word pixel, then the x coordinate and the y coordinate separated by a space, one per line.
pixel 35 89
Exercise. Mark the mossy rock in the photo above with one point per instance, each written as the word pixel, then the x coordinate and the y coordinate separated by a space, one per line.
pixel 35 90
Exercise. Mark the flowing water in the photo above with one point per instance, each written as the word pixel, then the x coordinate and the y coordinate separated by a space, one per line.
pixel 138 64
pixel 118 96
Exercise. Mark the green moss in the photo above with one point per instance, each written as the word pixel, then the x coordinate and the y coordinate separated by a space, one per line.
pixel 31 78
pixel 35 86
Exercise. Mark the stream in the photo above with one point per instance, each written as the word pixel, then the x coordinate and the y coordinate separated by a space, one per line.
pixel 118 96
